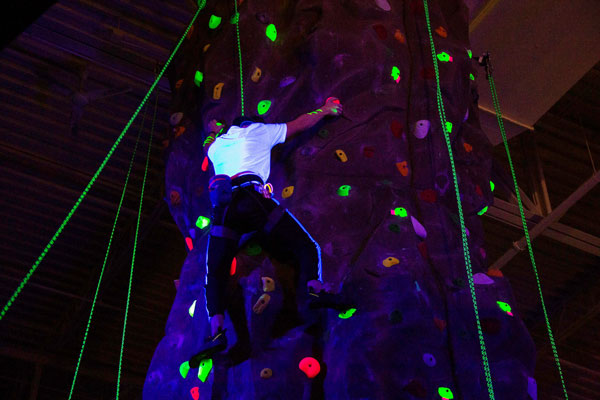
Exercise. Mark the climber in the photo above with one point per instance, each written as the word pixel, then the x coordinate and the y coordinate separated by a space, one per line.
pixel 242 203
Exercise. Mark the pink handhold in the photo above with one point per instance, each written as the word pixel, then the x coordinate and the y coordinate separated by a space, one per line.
pixel 510 313
pixel 398 79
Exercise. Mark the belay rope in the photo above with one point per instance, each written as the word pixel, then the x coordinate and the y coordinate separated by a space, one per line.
pixel 462 225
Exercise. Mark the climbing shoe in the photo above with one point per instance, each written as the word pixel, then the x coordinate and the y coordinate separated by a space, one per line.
pixel 213 345
pixel 325 299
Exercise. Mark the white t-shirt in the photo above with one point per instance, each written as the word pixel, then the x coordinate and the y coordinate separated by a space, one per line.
pixel 246 149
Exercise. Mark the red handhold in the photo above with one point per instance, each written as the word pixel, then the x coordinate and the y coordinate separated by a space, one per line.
pixel 205 164
pixel 310 367
pixel 478 190
pixel 397 128
pixel 428 195
pixel 427 73
pixel 380 30
pixel 440 323
pixel 190 243
pixel 422 249
pixel 195 392
pixel 233 266
pixel 368 152
pixel 336 101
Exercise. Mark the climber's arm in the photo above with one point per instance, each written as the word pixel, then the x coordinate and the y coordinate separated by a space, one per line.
pixel 307 121
pixel 215 128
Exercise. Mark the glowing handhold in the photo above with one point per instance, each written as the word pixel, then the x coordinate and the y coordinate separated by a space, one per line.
pixel 444 57
pixel 178 131
pixel 323 133
pixel 419 229
pixel 205 164
pixel 448 126
pixel 266 373
pixel 390 262
pixel 383 4
pixel 482 211
pixel 204 369
pixel 396 74
pixel 271 32
pixel 396 128
pixel 394 228
pixel 402 167
pixel 175 118
pixel 217 90
pixel 235 19
pixel 178 84
pixel 482 279
pixel 189 242
pixel 445 393
pixel 399 212
pixel 268 284
pixel 468 147
pixel 253 249
pixel 492 186
pixel 287 192
pixel 192 309
pixel 505 307
pixel 429 360
pixel 202 222
pixel 344 190
pixel 205 48
pixel 334 101
pixel 472 77
pixel 261 304
pixel 310 367
pixel 263 107
pixel 347 314
pixel 233 267
pixel 184 369
pixel 440 30
pixel 288 80
pixel 341 155
pixel 195 391
pixel 470 53
pixel 421 128
pixel 399 36
pixel 198 78
pixel 495 273
pixel 256 75
pixel 214 21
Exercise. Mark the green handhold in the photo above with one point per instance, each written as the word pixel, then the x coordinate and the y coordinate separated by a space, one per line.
pixel 395 73
pixel 445 393
pixel 492 186
pixel 205 368
pixel 400 212
pixel 323 133
pixel 504 306
pixel 472 77
pixel 470 53
pixel 184 369
pixel 459 282
pixel 263 106
pixel 271 32
pixel 448 126
pixel 192 309
pixel 482 211
pixel 253 249
pixel 202 222
pixel 235 19
pixel 444 57
pixel 214 22
pixel 394 228
pixel 344 190
pixel 198 78
pixel 347 314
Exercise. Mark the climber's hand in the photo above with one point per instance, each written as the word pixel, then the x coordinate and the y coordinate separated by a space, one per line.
pixel 332 107
pixel 214 126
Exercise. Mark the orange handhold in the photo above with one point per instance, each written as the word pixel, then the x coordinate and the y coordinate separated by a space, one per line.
pixel 440 30
pixel 205 48
pixel 190 32
pixel 179 131
pixel 399 36
pixel 495 272
pixel 310 367
pixel 468 147
pixel 178 84
pixel 402 167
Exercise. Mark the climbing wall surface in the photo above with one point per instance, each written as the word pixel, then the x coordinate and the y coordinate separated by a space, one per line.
pixel 374 188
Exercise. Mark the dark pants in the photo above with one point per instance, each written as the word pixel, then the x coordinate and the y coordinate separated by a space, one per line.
pixel 248 212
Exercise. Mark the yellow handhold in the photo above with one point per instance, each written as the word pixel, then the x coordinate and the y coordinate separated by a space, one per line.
pixel 390 261
pixel 256 75
pixel 287 192
pixel 341 155
pixel 268 284
pixel 206 48
pixel 261 303
pixel 217 90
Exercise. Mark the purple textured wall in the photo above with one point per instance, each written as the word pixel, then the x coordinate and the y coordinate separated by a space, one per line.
pixel 414 328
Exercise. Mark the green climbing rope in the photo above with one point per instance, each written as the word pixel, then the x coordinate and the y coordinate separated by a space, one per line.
pixel 137 229
pixel 524 222
pixel 36 264
pixel 87 328
pixel 465 243
pixel 239 46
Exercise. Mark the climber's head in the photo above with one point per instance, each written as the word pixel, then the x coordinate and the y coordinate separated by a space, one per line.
pixel 243 121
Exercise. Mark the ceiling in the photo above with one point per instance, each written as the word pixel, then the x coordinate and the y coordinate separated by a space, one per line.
pixel 51 148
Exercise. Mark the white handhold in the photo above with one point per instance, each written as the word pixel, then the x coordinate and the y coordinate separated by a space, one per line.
pixel 422 128
pixel 482 279
pixel 175 118
pixel 532 388
pixel 383 4
pixel 419 229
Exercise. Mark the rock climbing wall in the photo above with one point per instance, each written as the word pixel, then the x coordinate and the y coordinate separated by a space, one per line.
pixel 374 188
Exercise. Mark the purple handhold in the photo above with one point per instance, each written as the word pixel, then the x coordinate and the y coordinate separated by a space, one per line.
pixel 419 229
pixel 288 80
pixel 482 279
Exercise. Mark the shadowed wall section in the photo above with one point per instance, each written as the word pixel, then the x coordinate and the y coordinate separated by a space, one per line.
pixel 413 333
